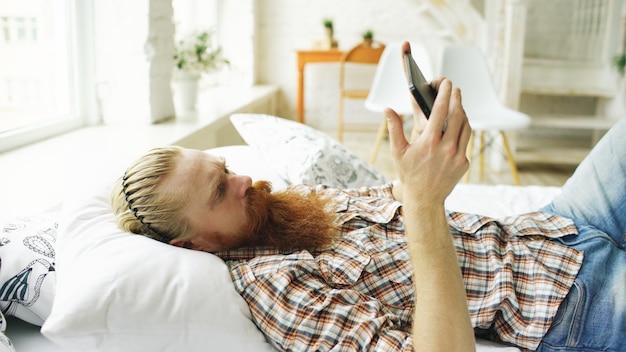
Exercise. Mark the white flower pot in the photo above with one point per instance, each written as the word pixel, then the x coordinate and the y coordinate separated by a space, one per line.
pixel 185 92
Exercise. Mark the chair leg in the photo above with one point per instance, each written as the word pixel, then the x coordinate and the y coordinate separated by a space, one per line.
pixel 470 150
pixel 340 120
pixel 382 132
pixel 481 157
pixel 509 158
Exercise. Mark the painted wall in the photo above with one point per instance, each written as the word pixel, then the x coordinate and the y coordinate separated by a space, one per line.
pixel 285 26
pixel 132 49
pixel 133 56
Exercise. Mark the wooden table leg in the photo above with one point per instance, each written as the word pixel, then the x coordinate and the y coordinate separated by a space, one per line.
pixel 300 98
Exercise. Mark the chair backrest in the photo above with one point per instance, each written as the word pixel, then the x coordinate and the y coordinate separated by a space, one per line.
pixel 364 53
pixel 389 87
pixel 360 54
pixel 466 66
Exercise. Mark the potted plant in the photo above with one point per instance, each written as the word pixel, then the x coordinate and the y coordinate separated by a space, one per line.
pixel 328 25
pixel 619 62
pixel 194 55
pixel 368 37
pixel 330 33
pixel 616 107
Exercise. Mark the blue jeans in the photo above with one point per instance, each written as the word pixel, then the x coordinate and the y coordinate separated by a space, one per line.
pixel 593 315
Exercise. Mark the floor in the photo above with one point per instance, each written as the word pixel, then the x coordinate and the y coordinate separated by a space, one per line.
pixel 361 143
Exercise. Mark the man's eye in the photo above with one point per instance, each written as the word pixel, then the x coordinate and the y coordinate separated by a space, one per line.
pixel 221 189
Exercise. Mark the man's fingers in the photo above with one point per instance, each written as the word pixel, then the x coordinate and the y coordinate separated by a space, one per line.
pixel 458 126
pixel 466 131
pixel 435 83
pixel 397 140
pixel 440 108
pixel 456 115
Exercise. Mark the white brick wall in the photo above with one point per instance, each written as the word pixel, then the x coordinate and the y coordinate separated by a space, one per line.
pixel 283 26
pixel 159 49
pixel 133 43
pixel 134 46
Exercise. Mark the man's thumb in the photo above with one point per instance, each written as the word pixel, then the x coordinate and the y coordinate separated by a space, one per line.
pixel 394 126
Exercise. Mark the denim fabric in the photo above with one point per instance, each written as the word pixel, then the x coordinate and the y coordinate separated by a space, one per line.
pixel 593 315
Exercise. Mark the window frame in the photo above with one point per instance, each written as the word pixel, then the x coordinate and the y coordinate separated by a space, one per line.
pixel 80 35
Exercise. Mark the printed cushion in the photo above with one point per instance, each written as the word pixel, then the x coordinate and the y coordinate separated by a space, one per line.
pixel 5 343
pixel 304 155
pixel 27 266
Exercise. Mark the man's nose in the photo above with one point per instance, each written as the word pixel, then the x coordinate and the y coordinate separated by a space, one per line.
pixel 242 183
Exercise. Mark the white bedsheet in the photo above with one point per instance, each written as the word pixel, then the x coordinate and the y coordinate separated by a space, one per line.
pixel 499 200
pixel 27 338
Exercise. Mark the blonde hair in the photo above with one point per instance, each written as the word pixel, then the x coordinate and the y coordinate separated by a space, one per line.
pixel 141 207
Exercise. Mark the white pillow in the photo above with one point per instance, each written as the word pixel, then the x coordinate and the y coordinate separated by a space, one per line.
pixel 27 275
pixel 122 292
pixel 302 154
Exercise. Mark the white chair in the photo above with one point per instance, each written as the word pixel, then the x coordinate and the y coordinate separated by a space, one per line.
pixel 390 88
pixel 465 65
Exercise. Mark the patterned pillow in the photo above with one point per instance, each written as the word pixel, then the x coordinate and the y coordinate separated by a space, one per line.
pixel 5 343
pixel 27 266
pixel 302 154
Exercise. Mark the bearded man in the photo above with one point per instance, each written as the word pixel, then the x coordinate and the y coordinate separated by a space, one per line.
pixel 387 268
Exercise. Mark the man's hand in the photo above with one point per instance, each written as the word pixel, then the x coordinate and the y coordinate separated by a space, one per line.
pixel 429 166
pixel 434 161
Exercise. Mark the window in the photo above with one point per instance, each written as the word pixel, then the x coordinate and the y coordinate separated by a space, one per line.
pixel 37 70
pixel 4 21
pixel 232 22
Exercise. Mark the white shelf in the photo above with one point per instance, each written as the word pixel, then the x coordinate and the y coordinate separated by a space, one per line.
pixel 553 155
pixel 572 122
pixel 565 78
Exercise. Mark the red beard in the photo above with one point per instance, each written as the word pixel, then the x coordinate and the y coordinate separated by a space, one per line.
pixel 286 220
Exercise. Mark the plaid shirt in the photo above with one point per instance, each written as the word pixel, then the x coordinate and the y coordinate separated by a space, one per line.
pixel 358 294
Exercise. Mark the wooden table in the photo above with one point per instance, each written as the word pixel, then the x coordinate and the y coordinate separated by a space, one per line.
pixel 309 56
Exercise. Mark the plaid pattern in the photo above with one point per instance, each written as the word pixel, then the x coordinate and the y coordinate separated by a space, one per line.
pixel 358 295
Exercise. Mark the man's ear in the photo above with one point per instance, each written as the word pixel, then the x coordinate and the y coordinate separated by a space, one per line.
pixel 182 243
pixel 196 243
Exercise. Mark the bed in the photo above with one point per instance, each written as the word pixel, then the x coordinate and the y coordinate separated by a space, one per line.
pixel 105 290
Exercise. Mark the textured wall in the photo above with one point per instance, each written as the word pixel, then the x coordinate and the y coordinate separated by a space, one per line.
pixel 284 26
pixel 133 43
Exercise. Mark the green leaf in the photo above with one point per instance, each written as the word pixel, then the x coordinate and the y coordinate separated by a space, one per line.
pixel 619 62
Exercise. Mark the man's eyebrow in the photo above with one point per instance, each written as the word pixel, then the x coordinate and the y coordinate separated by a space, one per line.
pixel 216 183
